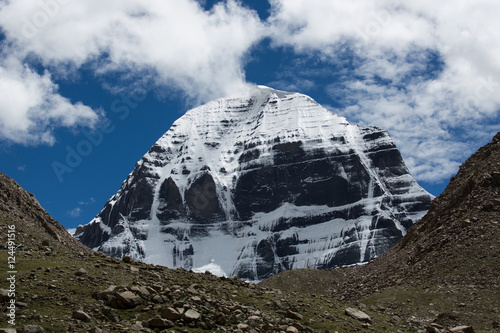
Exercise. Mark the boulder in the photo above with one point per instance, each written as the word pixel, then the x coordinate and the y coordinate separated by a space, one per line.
pixel 80 315
pixel 294 315
pixel 103 294
pixel 170 313
pixel 462 329
pixel 4 295
pixel 160 323
pixel 358 315
pixel 191 315
pixel 128 300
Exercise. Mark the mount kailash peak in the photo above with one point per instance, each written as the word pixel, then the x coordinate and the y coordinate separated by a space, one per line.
pixel 260 183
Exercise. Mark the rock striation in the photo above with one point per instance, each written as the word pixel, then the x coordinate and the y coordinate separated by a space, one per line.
pixel 260 183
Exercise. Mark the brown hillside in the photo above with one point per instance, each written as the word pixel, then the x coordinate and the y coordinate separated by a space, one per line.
pixel 35 228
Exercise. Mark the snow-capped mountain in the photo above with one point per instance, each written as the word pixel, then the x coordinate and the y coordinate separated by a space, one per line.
pixel 259 183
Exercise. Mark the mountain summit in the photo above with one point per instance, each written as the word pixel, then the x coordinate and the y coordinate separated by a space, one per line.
pixel 260 183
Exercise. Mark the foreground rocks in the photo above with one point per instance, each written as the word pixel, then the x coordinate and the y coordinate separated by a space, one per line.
pixel 192 307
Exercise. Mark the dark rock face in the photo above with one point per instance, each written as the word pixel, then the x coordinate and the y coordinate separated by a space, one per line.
pixel 171 205
pixel 202 201
pixel 260 184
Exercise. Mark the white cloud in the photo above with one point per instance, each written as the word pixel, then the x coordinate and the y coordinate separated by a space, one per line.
pixel 90 201
pixel 75 212
pixel 198 51
pixel 30 106
pixel 437 117
pixel 437 121
pixel 175 43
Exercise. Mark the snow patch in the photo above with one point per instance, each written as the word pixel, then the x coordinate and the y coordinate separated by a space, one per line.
pixel 212 267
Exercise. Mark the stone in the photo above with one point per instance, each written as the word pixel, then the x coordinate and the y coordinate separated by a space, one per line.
pixel 8 330
pixel 358 315
pixel 462 329
pixel 81 272
pixel 496 176
pixel 277 305
pixel 191 315
pixel 31 329
pixel 196 299
pixel 292 329
pixel 95 330
pixel 4 295
pixel 158 299
pixel 137 327
pixel 160 323
pixel 127 259
pixel 128 300
pixel 170 313
pixel 143 291
pixel 220 318
pixel 106 295
pixel 254 321
pixel 80 315
pixel 294 315
pixel 243 327
pixel 298 326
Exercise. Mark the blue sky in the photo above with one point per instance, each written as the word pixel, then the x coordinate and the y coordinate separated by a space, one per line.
pixel 87 87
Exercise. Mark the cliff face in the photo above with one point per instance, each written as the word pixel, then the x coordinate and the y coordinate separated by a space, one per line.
pixel 261 183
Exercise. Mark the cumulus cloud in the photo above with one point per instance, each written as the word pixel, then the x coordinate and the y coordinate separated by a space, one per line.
pixel 198 51
pixel 427 71
pixel 30 106
pixel 174 44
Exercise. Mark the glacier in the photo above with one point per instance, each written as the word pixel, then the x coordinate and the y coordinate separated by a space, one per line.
pixel 259 183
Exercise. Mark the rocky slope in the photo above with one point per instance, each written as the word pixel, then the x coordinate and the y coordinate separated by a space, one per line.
pixel 257 184
pixel 446 268
pixel 34 227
